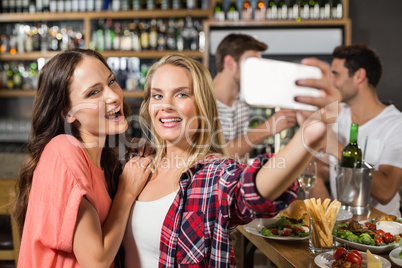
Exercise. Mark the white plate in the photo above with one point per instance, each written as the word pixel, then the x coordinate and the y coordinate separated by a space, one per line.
pixel 325 260
pixel 344 215
pixel 255 228
pixel 373 249
pixel 394 256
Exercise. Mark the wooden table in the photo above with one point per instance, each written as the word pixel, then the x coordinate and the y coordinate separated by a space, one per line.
pixel 288 253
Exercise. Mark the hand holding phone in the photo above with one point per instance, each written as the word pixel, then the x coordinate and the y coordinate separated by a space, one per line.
pixel 272 83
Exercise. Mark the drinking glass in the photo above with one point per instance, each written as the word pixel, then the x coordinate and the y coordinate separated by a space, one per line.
pixel 308 178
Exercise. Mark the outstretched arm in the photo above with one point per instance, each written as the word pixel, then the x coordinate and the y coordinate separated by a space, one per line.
pixel 272 180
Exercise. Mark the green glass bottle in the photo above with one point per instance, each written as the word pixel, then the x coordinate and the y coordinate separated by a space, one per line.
pixel 351 154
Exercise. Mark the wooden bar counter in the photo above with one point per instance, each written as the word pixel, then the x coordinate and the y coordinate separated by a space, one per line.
pixel 286 254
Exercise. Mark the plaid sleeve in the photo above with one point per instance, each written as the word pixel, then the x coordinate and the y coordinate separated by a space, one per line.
pixel 245 203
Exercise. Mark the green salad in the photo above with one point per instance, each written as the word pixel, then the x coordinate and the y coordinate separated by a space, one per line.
pixel 284 227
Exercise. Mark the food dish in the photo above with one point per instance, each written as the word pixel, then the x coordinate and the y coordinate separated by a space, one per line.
pixel 324 260
pixel 255 228
pixel 373 249
pixel 394 256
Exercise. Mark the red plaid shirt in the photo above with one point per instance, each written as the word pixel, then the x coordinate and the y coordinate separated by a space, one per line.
pixel 220 195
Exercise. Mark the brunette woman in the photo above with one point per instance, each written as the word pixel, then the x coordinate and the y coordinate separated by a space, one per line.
pixel 73 197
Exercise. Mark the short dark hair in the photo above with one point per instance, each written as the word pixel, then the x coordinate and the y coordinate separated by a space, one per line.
pixel 360 56
pixel 235 45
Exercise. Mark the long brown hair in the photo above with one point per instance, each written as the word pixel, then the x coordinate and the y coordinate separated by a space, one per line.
pixel 51 101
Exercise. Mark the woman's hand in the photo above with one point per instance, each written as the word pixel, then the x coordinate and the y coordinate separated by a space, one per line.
pixel 135 175
pixel 139 147
pixel 328 103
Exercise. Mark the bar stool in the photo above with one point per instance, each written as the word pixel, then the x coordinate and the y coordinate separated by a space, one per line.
pixel 9 232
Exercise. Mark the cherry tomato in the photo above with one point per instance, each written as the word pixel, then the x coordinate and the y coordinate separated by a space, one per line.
pixel 340 253
pixel 370 226
pixel 297 230
pixel 274 231
pixel 379 240
pixel 380 232
pixel 354 257
pixel 287 226
pixel 388 238
pixel 286 232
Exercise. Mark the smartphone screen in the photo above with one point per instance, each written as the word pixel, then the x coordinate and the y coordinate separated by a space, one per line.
pixel 272 83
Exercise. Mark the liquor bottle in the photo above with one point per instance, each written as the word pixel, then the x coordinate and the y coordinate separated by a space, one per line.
pixel 219 13
pixel 39 6
pixel 191 4
pixel 90 5
pixel 165 4
pixel 12 6
pixel 314 9
pixel 53 6
pixel 17 77
pixel 150 4
pixel 25 6
pixel 179 36
pixel 282 10
pixel 293 10
pixel 124 5
pixel 233 13
pixel 351 154
pixel 60 6
pixel 18 6
pixel 28 43
pixel 304 10
pixel 325 10
pixel 126 39
pixel 176 4
pixel 161 35
pixel 136 4
pixel 75 6
pixel 117 36
pixel 10 75
pixel 144 28
pixel 68 6
pixel 171 35
pixel 153 36
pixel 6 6
pixel 260 10
pixel 337 9
pixel 46 6
pixel 100 37
pixel 98 5
pixel 136 37
pixel 272 10
pixel 246 12
pixel 109 35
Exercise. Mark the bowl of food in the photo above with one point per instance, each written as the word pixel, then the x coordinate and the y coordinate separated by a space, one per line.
pixel 391 227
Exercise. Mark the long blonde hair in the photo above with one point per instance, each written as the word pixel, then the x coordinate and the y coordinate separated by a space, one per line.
pixel 209 139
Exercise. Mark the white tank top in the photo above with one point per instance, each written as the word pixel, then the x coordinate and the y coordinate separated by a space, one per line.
pixel 143 233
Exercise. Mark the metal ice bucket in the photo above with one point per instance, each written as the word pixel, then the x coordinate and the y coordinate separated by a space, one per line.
pixel 353 186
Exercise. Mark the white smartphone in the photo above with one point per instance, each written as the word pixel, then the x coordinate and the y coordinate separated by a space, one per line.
pixel 271 83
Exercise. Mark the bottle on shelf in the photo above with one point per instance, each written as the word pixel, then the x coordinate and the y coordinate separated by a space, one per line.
pixel 161 36
pixel 325 10
pixel 18 6
pixel 153 36
pixel 176 4
pixel 12 6
pixel 272 10
pixel 46 6
pixel 314 9
pixel 219 13
pixel 304 10
pixel 6 6
pixel 351 154
pixel 100 36
pixel 117 36
pixel 32 6
pixel 10 75
pixel 53 6
pixel 68 5
pixel 260 10
pixel 150 4
pixel 233 13
pixel 282 10
pixel 98 5
pixel 60 6
pixel 171 35
pixel 39 5
pixel 109 35
pixel 144 28
pixel 246 11
pixel 179 36
pixel 136 36
pixel 337 9
pixel 293 10
pixel 75 6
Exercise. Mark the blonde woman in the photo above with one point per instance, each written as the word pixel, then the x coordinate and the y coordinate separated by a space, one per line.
pixel 197 196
